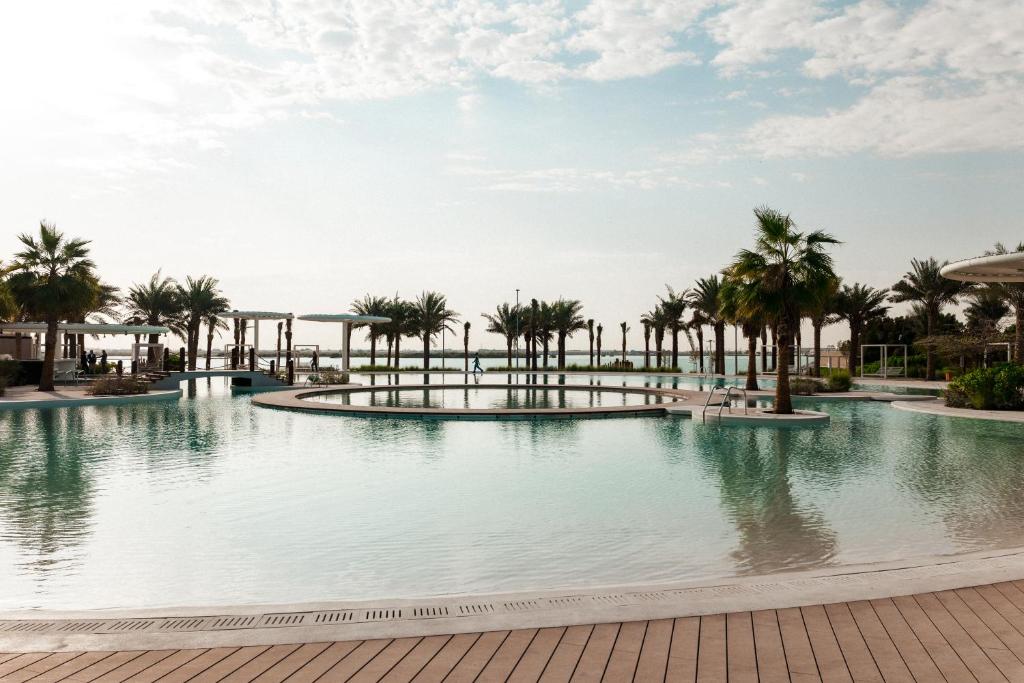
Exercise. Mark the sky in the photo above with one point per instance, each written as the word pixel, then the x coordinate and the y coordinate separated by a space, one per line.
pixel 306 153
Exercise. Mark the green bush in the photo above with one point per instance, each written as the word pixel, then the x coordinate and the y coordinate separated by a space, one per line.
pixel 118 386
pixel 839 380
pixel 803 386
pixel 334 377
pixel 10 373
pixel 999 388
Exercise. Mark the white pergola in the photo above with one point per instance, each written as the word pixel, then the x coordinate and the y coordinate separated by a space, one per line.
pixel 996 268
pixel 95 329
pixel 346 320
pixel 256 317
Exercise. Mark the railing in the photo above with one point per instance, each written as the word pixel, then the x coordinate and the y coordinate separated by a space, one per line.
pixel 725 399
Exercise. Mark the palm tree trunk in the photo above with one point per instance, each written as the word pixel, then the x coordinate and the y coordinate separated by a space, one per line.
pixel 764 349
pixel 675 347
pixel 150 351
pixel 46 379
pixel 426 351
pixel 657 349
pixel 561 350
pixel 647 350
pixel 591 350
pixel 816 370
pixel 209 347
pixel 390 342
pixel 854 353
pixel 373 347
pixel 623 348
pixel 508 350
pixel 465 351
pixel 720 348
pixel 545 352
pixel 398 344
pixel 599 351
pixel 1018 333
pixel 700 343
pixel 929 351
pixel 751 361
pixel 783 400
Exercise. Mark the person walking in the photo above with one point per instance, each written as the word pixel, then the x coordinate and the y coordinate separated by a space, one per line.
pixel 314 363
pixel 476 365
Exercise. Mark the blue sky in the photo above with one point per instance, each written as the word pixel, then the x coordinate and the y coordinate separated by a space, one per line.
pixel 307 153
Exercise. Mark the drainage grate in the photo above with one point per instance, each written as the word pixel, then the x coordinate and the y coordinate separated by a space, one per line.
pixel 282 620
pixel 128 626
pixel 332 617
pixel 79 626
pixel 182 624
pixel 28 626
pixel 521 605
pixel 564 602
pixel 232 622
pixel 478 608
pixel 428 612
pixel 382 614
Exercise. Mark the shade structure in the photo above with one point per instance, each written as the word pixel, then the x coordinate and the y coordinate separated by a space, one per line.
pixel 84 328
pixel 996 268
pixel 256 317
pixel 346 320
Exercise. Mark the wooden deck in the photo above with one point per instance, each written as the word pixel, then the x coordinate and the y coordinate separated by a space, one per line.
pixel 971 634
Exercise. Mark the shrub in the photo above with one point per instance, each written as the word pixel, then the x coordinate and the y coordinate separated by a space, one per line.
pixel 118 386
pixel 334 377
pixel 10 373
pixel 803 386
pixel 839 380
pixel 999 388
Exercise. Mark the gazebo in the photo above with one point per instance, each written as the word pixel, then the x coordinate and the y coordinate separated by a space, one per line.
pixel 995 268
pixel 39 329
pixel 346 320
pixel 256 317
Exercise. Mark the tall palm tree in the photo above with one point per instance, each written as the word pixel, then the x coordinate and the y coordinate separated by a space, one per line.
pixel 505 321
pixel 784 271
pixel 431 316
pixel 102 305
pixel 673 306
pixel 566 321
pixel 543 329
pixel 654 321
pixel 625 328
pixel 54 280
pixel 740 305
pixel 213 323
pixel 401 325
pixel 1014 294
pixel 859 305
pixel 706 305
pixel 986 309
pixel 375 306
pixel 156 302
pixel 590 333
pixel 600 329
pixel 924 284
pixel 647 341
pixel 465 344
pixel 199 299
pixel 8 304
pixel 822 313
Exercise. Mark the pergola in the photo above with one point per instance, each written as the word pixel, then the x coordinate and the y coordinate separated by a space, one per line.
pixel 256 317
pixel 82 328
pixel 995 268
pixel 346 320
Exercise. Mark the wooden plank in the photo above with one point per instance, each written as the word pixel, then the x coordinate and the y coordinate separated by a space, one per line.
pixel 799 655
pixel 711 650
pixel 565 657
pixel 887 657
pixel 1012 593
pixel 165 666
pixel 653 660
pixel 980 633
pixel 682 654
pixel 418 657
pixel 386 659
pixel 595 655
pixel 739 641
pixel 40 666
pixel 20 662
pixel 625 652
pixel 292 663
pixel 448 658
pixel 977 660
pixel 129 669
pixel 855 651
pixel 355 660
pixel 231 663
pixel 260 663
pixel 104 665
pixel 470 666
pixel 1001 604
pixel 507 656
pixel 1003 629
pixel 70 667
pixel 825 646
pixel 323 662
pixel 771 657
pixel 914 654
pixel 198 664
pixel 533 662
pixel 944 656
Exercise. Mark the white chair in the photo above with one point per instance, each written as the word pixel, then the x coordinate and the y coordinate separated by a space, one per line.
pixel 66 370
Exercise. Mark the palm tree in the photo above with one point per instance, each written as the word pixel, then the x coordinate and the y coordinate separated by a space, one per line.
pixel 600 329
pixel 654 321
pixel 543 329
pixel 371 305
pixel 625 329
pixel 647 341
pixel 706 305
pixel 54 280
pixel 431 315
pixel 8 304
pixel 590 333
pixel 822 313
pixel 100 306
pixel 1014 294
pixel 859 305
pixel 156 302
pixel 566 321
pixel 986 309
pixel 673 307
pixel 924 284
pixel 199 299
pixel 214 323
pixel 740 305
pixel 505 321
pixel 402 324
pixel 465 344
pixel 784 272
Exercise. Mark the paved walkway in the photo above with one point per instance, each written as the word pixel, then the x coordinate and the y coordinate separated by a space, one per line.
pixel 970 634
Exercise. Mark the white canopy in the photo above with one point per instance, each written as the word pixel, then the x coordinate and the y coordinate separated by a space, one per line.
pixel 346 320
pixel 998 268
pixel 83 328
pixel 257 315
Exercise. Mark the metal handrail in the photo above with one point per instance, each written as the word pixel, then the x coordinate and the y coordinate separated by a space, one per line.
pixel 707 401
pixel 728 393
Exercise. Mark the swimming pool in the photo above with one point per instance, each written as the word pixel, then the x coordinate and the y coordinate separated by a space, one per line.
pixel 471 396
pixel 211 500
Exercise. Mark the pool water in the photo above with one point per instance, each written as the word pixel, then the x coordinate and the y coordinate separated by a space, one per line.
pixel 211 500
pixel 477 397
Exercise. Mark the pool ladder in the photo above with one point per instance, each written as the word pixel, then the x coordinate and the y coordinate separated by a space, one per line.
pixel 725 399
